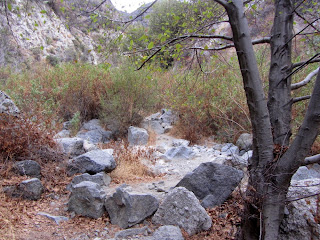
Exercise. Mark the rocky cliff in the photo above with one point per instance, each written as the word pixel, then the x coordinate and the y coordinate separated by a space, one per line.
pixel 37 30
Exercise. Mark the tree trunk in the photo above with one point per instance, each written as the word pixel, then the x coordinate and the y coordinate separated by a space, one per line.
pixel 273 162
pixel 279 103
pixel 260 120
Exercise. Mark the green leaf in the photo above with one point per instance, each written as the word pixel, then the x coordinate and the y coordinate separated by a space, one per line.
pixel 9 6
pixel 150 45
pixel 43 11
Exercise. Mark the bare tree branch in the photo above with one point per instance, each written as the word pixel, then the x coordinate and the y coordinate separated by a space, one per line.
pixel 180 39
pixel 309 24
pixel 312 159
pixel 254 42
pixel 314 59
pixel 222 3
pixel 95 8
pixel 305 81
pixel 299 99
pixel 302 17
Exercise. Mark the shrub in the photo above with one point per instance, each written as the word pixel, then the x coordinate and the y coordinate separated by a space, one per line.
pixel 131 95
pixel 52 60
pixel 23 138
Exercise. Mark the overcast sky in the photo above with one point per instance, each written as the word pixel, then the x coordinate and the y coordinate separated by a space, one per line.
pixel 128 5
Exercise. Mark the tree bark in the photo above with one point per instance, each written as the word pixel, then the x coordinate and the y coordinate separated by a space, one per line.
pixel 260 119
pixel 279 103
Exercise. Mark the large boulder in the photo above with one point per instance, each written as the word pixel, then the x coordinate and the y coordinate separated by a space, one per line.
pixel 212 183
pixel 137 136
pixel 87 199
pixel 128 208
pixel 95 136
pixel 181 208
pixel 28 167
pixel 71 146
pixel 307 172
pixel 30 189
pixel 7 105
pixel 244 142
pixel 301 218
pixel 92 162
pixel 100 178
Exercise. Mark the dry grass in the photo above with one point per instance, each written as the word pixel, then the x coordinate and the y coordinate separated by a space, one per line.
pixel 7 219
pixel 129 161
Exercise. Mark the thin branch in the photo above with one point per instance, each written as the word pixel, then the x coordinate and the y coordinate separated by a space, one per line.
pixel 313 59
pixel 299 99
pixel 222 3
pixel 254 42
pixel 303 18
pixel 95 8
pixel 300 198
pixel 305 81
pixel 119 21
pixel 312 160
pixel 309 24
pixel 180 38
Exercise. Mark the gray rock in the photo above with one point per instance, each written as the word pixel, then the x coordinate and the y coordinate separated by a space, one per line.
pixel 180 142
pixel 66 125
pixel 127 209
pixel 212 183
pixel 133 232
pixel 137 136
pixel 95 136
pixel 93 124
pixel 230 149
pixel 299 222
pixel 153 125
pixel 238 162
pixel 88 146
pixel 63 134
pixel 168 233
pixel 28 167
pixel 56 219
pixel 307 173
pixel 87 199
pixel 181 152
pixel 168 117
pixel 7 105
pixel 244 142
pixel 101 179
pixel 181 208
pixel 30 189
pixel 71 146
pixel 92 162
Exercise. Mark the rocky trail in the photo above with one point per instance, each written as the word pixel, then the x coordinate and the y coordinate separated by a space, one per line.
pixel 192 193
